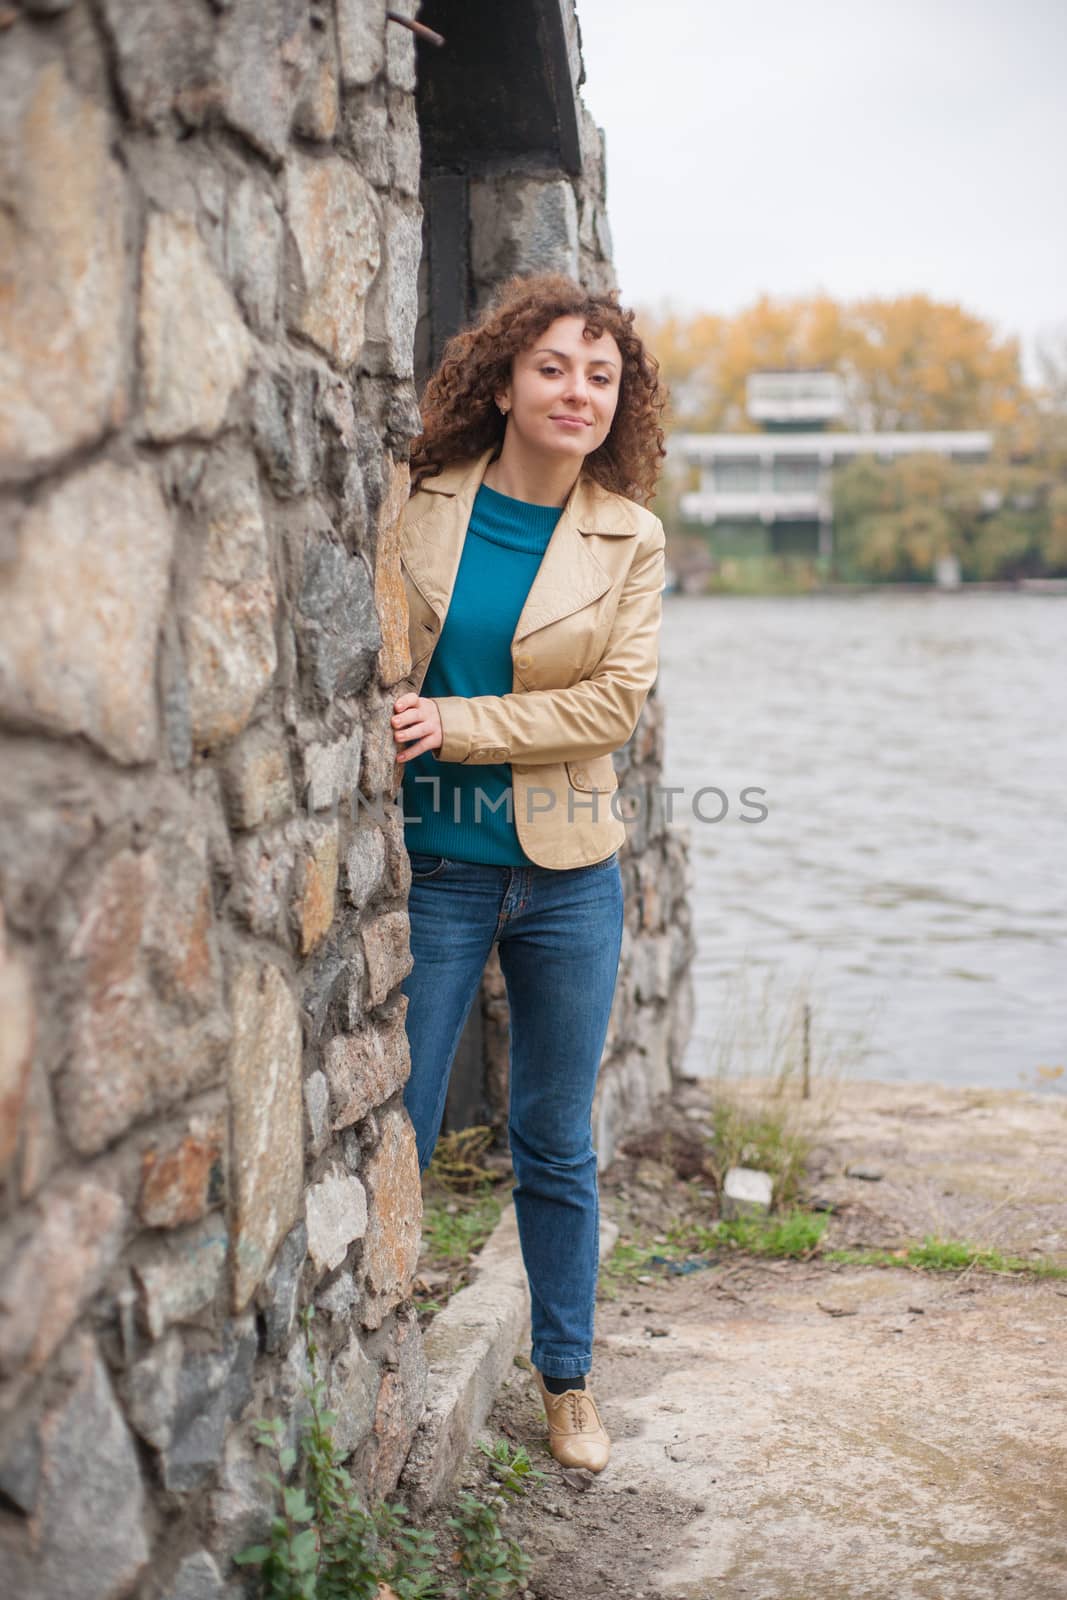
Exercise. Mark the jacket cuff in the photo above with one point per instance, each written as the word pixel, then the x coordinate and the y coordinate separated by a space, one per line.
pixel 456 728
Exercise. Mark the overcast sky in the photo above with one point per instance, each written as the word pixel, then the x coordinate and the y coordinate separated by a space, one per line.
pixel 856 146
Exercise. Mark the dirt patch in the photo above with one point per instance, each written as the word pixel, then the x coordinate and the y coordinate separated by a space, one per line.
pixel 799 1430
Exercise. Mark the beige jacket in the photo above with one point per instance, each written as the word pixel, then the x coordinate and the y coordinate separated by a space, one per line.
pixel 584 655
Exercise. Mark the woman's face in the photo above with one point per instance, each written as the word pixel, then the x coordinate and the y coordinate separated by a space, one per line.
pixel 563 392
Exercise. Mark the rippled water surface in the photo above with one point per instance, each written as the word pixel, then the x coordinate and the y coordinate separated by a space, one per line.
pixel 911 871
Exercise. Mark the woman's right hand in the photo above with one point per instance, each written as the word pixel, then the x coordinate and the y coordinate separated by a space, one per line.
pixel 416 719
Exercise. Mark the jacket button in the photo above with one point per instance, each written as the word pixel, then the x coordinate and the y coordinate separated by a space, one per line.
pixel 581 776
pixel 523 660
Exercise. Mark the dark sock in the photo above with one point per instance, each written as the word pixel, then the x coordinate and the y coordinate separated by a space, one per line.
pixel 561 1385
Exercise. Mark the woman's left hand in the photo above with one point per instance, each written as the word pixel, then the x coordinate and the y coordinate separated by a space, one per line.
pixel 416 719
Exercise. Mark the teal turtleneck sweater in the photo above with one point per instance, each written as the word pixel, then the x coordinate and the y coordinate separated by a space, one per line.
pixel 454 815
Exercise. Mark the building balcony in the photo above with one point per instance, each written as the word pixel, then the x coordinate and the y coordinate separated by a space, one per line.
pixel 793 399
pixel 760 505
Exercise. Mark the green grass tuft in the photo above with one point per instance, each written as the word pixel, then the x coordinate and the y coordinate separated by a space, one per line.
pixel 454 1229
pixel 946 1255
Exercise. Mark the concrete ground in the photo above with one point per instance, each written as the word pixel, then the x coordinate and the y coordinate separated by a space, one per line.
pixel 806 1431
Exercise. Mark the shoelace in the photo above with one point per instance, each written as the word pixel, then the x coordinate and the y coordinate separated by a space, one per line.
pixel 578 1416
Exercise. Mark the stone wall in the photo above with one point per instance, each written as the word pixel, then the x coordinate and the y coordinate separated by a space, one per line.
pixel 210 228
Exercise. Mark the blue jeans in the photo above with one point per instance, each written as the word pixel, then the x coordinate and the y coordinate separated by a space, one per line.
pixel 560 934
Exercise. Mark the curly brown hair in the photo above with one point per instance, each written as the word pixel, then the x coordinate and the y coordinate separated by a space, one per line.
pixel 459 413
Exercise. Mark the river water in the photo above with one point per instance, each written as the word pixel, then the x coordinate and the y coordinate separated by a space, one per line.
pixel 909 881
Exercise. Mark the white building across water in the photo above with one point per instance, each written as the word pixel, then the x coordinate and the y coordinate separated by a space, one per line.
pixel 771 492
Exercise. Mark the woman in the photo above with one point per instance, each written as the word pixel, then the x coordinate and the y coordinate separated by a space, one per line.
pixel 534 579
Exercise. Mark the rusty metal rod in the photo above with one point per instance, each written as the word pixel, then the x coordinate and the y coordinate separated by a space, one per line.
pixel 417 27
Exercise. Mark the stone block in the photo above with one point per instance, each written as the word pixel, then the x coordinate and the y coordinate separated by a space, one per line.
pixel 605 247
pixel 369 447
pixel 163 61
pixel 405 146
pixel 49 814
pixel 254 236
pixel 263 865
pixel 20 1461
pixel 390 596
pixel 334 227
pixel 317 1107
pixel 586 233
pixel 401 416
pixel 180 1401
pixel 61 311
pixel 318 107
pixel 194 347
pixel 239 1513
pixel 39 1147
pixel 256 780
pixel 315 880
pixel 285 428
pixel 365 866
pixel 608 1117
pixel 338 625
pixel 150 1391
pixel 681 1012
pixel 337 411
pixel 391 306
pixel 197 1578
pixel 184 1177
pixel 327 975
pixel 336 1216
pixel 86 1538
pixel 387 952
pixel 746 1193
pixel 174 697
pixel 650 970
pixel 228 607
pixel 288 1385
pixel 360 40
pixel 264 54
pixel 394 1225
pixel 16 1043
pixel 266 1122
pixel 80 611
pixel 56 1256
pixel 366 1068
pixel 331 772
pixel 591 139
pixel 352 1393
pixel 176 1279
pixel 399 1410
pixel 400 47
pixel 379 780
pixel 338 1297
pixel 148 1026
pixel 210 820
pixel 522 225
pixel 365 133
pixel 396 852
pixel 280 1292
pixel 351 1009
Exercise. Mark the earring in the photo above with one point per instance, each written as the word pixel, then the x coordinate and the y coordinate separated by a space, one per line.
pixel 502 408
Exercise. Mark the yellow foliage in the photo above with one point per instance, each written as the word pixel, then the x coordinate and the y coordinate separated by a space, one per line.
pixel 908 363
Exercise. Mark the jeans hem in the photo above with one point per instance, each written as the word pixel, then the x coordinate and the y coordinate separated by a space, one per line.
pixel 561 1366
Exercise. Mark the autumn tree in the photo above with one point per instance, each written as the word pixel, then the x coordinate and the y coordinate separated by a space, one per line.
pixel 910 363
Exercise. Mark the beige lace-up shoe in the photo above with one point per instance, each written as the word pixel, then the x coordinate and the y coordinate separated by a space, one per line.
pixel 576 1435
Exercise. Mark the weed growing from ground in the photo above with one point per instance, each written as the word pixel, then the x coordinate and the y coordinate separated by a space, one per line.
pixel 323 1544
pixel 946 1255
pixel 797 1235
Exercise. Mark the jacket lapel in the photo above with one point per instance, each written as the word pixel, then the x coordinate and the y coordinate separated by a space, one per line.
pixel 569 577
